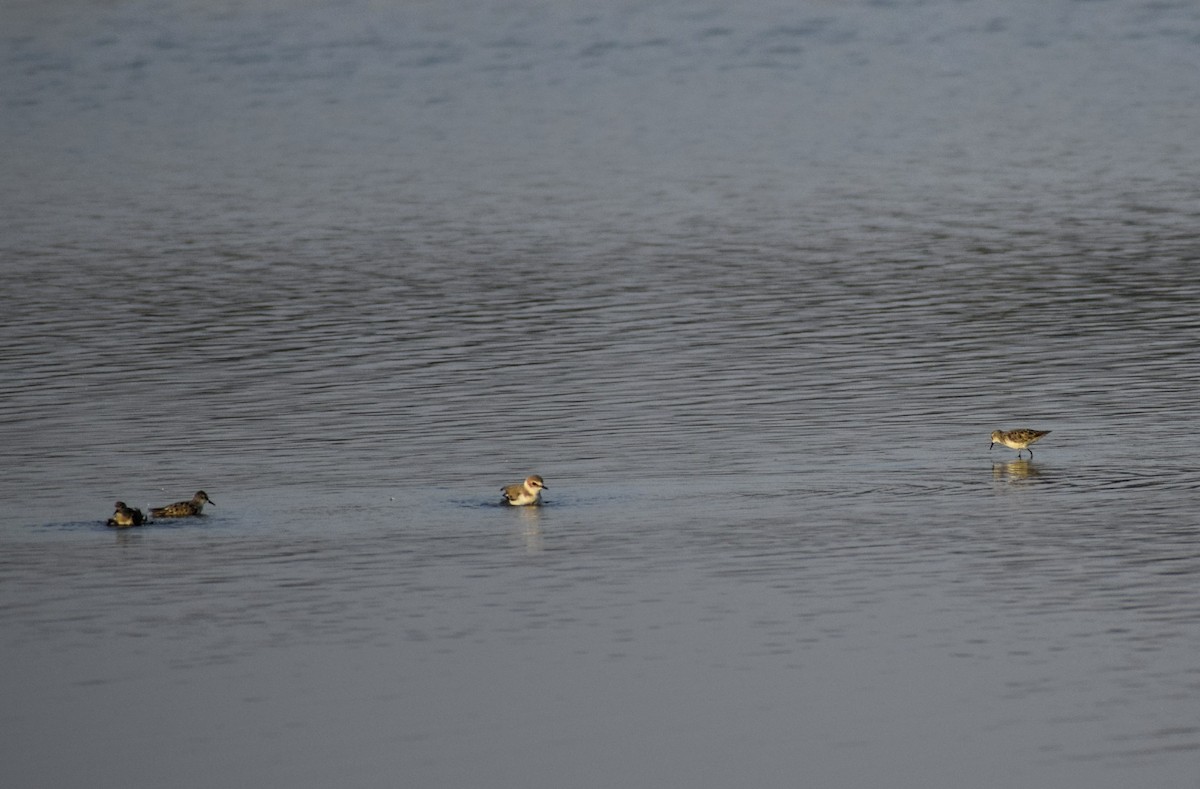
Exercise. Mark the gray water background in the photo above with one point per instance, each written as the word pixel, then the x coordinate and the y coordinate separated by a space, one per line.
pixel 749 284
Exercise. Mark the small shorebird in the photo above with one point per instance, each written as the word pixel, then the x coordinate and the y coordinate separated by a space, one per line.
pixel 527 492
pixel 1017 439
pixel 184 509
pixel 125 517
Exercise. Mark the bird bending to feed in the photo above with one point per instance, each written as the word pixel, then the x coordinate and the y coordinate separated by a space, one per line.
pixel 125 517
pixel 184 509
pixel 527 492
pixel 1017 439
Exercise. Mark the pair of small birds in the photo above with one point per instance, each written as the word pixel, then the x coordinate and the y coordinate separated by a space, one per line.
pixel 127 516
pixel 530 491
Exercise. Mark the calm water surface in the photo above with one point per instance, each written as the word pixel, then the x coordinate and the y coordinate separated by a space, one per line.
pixel 749 286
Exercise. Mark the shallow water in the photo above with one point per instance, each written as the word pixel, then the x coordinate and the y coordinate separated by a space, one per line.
pixel 750 288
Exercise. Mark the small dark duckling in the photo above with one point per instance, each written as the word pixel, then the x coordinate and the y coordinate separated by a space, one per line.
pixel 125 517
pixel 184 509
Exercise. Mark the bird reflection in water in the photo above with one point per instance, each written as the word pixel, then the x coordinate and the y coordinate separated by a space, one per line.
pixel 531 528
pixel 1015 471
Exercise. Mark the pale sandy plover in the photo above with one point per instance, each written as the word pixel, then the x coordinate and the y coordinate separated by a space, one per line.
pixel 527 492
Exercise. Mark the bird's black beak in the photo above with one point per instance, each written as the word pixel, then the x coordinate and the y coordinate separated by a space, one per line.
pixel 991 445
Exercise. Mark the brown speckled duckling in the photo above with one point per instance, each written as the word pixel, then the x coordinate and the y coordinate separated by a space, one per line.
pixel 184 509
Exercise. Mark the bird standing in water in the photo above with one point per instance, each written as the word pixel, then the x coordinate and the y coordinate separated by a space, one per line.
pixel 1017 439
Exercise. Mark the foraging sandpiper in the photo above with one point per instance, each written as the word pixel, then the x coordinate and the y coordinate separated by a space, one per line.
pixel 1017 439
